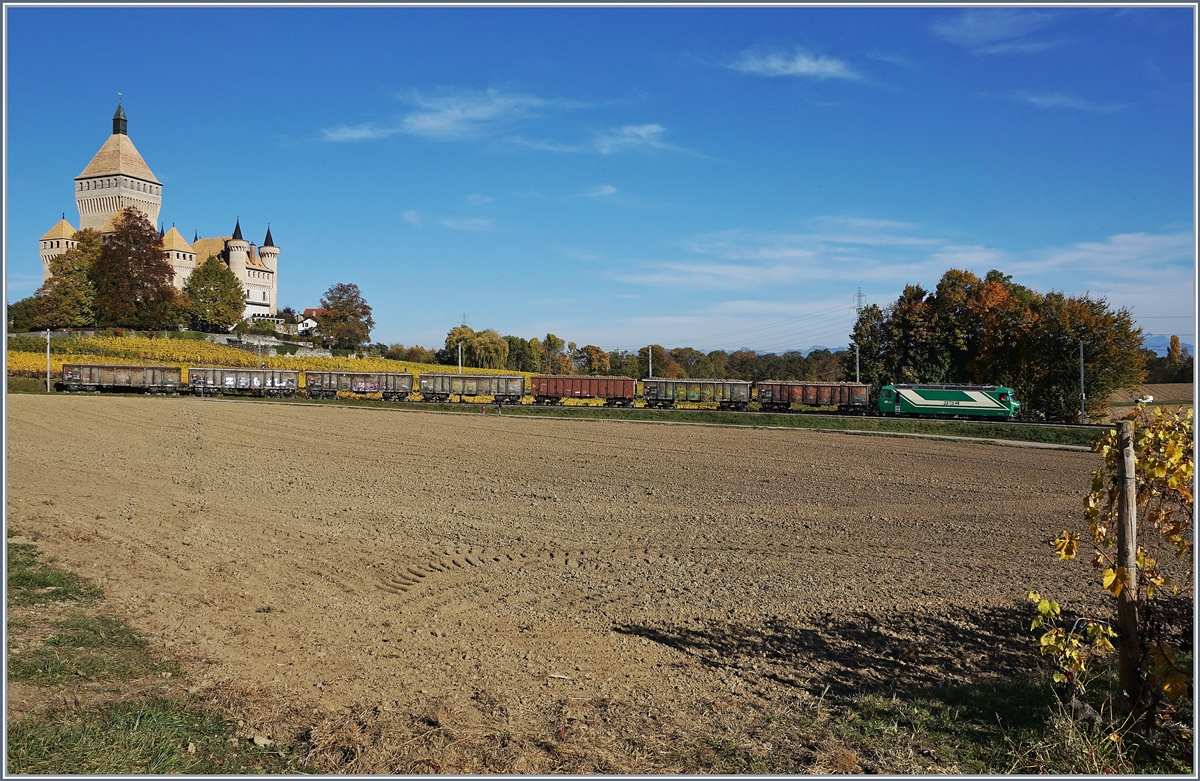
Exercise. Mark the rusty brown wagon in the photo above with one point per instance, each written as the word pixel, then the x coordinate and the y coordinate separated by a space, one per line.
pixel 554 388
pixel 780 395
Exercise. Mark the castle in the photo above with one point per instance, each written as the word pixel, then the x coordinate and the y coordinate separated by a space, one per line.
pixel 118 177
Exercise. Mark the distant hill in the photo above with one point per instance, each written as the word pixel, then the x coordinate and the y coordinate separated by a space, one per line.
pixel 1160 342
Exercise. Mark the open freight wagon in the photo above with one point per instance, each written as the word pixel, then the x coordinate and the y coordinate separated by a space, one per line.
pixel 205 381
pixel 505 388
pixel 666 393
pixel 779 395
pixel 395 386
pixel 98 377
pixel 553 388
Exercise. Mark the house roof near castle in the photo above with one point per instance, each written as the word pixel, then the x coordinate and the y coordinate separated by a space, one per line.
pixel 173 241
pixel 216 246
pixel 61 230
pixel 206 247
pixel 118 156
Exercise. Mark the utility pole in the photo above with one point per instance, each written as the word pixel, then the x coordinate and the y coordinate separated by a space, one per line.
pixel 460 357
pixel 649 356
pixel 47 360
pixel 1082 395
pixel 858 299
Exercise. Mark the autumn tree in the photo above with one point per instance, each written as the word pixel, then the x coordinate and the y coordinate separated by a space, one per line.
pixel 215 297
pixel 664 365
pixel 346 316
pixel 68 297
pixel 132 277
pixel 590 359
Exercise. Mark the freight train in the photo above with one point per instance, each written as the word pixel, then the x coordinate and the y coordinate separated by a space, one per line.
pixel 657 393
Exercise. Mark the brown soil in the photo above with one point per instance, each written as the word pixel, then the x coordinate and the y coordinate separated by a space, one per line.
pixel 412 591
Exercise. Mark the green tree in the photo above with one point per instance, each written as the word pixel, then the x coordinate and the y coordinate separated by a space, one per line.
pixel 488 350
pixel 346 319
pixel 622 363
pixel 1111 356
pixel 693 362
pixel 554 358
pixel 22 315
pixel 458 335
pixel 133 278
pixel 521 356
pixel 871 337
pixel 263 327
pixel 68 298
pixel 215 297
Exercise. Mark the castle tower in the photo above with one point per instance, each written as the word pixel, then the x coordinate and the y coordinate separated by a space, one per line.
pixel 57 240
pixel 239 251
pixel 269 254
pixel 116 177
pixel 180 255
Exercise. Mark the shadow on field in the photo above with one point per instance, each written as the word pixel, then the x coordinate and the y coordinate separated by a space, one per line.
pixel 861 653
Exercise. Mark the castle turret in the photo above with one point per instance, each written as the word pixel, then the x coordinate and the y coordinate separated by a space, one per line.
pixel 238 250
pixel 57 240
pixel 180 254
pixel 269 252
pixel 116 177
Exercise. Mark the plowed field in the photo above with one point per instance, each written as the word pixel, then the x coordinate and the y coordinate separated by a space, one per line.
pixel 574 580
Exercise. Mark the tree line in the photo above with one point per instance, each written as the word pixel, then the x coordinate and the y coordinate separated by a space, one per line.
pixel 552 355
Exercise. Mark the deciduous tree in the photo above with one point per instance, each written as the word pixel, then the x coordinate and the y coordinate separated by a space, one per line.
pixel 215 297
pixel 68 298
pixel 22 315
pixel 133 278
pixel 346 319
pixel 590 359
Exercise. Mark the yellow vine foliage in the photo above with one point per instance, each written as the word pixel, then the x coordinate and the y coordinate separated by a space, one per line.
pixel 1163 446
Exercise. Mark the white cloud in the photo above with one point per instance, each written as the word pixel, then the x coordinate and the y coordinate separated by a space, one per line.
pixel 367 131
pixel 465 114
pixel 623 139
pixel 478 200
pixel 604 190
pixel 796 64
pixel 997 30
pixel 1053 100
pixel 451 115
pixel 413 217
pixel 467 223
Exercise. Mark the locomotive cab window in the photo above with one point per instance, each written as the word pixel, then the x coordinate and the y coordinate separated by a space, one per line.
pixel 1003 397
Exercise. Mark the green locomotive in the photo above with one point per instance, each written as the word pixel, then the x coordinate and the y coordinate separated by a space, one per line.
pixel 949 401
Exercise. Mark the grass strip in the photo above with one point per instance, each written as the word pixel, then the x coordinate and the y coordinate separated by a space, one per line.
pixel 152 736
pixel 87 648
pixel 34 582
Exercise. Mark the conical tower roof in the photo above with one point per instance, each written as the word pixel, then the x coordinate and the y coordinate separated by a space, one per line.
pixel 61 230
pixel 237 230
pixel 268 241
pixel 173 241
pixel 118 156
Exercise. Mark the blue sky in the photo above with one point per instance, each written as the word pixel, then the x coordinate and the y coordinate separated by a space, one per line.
pixel 710 177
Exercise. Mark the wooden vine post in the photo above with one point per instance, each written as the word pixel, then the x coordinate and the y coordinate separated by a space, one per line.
pixel 1129 652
